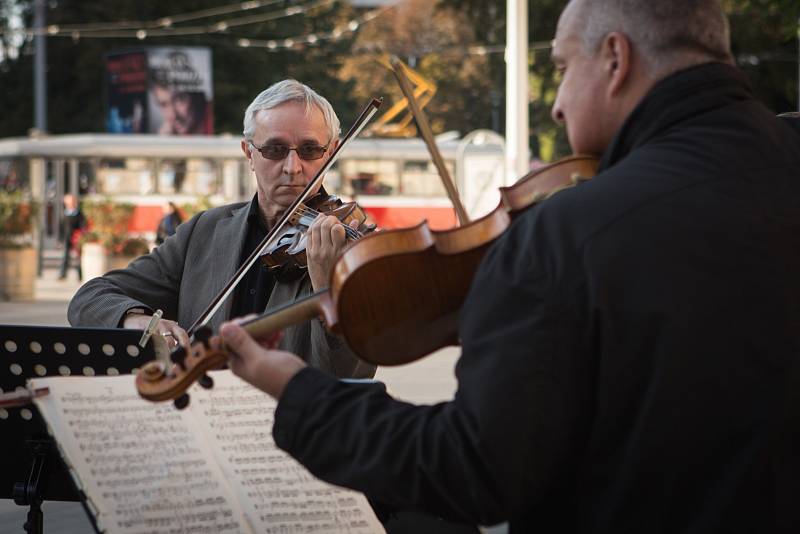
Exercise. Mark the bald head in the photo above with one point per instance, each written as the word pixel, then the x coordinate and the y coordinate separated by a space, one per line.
pixel 667 35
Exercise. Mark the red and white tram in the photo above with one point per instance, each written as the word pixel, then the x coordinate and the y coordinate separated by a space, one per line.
pixel 393 179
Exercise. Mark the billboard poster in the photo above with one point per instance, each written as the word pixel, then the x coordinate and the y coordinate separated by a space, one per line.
pixel 126 84
pixel 180 95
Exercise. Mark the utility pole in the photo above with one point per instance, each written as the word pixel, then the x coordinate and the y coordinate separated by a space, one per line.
pixel 517 152
pixel 40 67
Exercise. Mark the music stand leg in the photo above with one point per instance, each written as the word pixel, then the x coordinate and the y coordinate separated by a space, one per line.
pixel 29 493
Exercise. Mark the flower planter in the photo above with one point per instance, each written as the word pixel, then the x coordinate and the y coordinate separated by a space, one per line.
pixel 17 273
pixel 95 261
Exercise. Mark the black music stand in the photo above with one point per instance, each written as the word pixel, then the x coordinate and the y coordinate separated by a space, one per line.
pixel 31 470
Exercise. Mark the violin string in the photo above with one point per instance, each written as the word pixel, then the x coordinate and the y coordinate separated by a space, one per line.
pixel 351 232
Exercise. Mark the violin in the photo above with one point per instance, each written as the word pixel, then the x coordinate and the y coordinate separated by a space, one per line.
pixel 288 253
pixel 386 316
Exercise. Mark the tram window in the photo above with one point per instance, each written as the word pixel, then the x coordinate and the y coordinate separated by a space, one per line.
pixel 125 176
pixel 191 176
pixel 87 182
pixel 372 177
pixel 170 176
pixel 420 178
pixel 333 180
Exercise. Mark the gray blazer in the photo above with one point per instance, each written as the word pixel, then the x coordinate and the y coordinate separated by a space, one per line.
pixel 184 273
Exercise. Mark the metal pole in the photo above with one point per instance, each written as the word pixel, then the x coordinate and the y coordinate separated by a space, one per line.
pixel 517 153
pixel 40 67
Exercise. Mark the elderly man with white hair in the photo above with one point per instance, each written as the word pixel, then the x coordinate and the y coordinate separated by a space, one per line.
pixel 290 131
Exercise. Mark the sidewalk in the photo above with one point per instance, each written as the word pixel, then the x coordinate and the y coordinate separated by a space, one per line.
pixel 50 288
pixel 49 306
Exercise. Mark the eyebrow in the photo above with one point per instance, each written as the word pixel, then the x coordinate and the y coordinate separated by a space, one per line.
pixel 281 141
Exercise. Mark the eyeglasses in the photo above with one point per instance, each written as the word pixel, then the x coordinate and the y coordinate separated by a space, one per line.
pixel 276 152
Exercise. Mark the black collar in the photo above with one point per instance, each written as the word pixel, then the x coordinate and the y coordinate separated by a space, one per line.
pixel 675 99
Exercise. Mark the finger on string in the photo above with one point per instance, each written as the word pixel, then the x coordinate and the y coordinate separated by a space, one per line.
pixel 314 235
pixel 238 339
pixel 181 336
pixel 338 235
pixel 328 227
pixel 350 231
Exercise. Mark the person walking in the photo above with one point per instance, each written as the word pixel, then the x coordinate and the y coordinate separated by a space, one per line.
pixel 72 224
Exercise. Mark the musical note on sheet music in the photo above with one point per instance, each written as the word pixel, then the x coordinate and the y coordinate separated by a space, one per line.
pixel 285 496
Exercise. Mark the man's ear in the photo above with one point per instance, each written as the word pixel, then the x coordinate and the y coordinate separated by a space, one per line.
pixel 332 146
pixel 616 52
pixel 247 153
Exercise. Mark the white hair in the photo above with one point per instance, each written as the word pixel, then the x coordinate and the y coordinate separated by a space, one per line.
pixel 668 33
pixel 289 91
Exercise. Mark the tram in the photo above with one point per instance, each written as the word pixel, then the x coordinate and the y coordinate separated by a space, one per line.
pixel 393 179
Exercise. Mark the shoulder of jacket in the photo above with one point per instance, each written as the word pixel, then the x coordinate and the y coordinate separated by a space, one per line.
pixel 220 212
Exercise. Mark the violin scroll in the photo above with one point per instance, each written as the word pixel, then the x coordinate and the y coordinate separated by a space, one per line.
pixel 161 380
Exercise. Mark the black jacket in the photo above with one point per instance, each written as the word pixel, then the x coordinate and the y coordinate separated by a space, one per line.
pixel 626 345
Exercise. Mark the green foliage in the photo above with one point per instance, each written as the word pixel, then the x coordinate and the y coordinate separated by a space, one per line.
pixel 190 209
pixel 108 226
pixel 764 38
pixel 17 214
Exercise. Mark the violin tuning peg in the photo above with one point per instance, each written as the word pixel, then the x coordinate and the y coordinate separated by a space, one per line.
pixel 206 381
pixel 203 334
pixel 179 357
pixel 181 402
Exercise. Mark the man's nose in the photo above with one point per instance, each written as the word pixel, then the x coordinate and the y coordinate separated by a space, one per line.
pixel 292 164
pixel 557 113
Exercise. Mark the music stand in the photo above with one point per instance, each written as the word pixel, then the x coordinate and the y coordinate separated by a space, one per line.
pixel 31 470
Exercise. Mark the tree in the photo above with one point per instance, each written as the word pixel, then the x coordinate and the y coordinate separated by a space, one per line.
pixel 434 42
pixel 764 37
pixel 547 140
pixel 764 41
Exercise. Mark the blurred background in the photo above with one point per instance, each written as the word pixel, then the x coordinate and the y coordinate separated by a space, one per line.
pixel 116 116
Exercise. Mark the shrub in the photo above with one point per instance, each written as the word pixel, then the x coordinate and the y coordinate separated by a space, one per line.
pixel 17 213
pixel 108 225
pixel 189 210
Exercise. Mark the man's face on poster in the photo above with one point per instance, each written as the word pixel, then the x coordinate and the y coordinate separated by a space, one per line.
pixel 186 117
pixel 178 114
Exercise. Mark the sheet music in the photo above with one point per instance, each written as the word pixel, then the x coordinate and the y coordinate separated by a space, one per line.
pixel 213 467
pixel 139 463
pixel 278 494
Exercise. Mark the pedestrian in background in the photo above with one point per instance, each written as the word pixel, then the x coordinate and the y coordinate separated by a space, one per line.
pixel 72 224
pixel 169 222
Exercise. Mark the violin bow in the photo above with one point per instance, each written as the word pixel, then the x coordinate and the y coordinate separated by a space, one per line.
pixel 398 68
pixel 368 112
